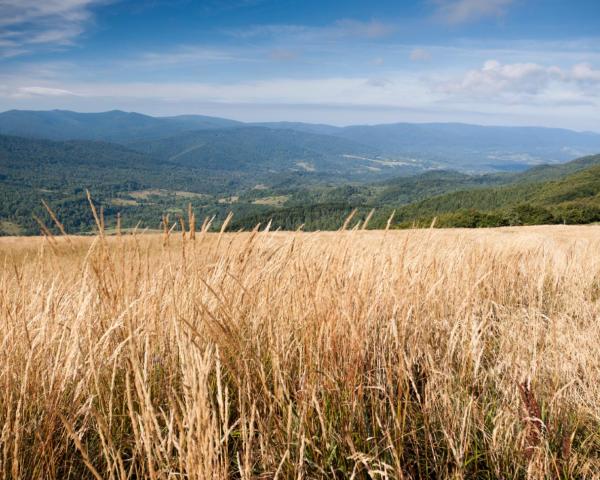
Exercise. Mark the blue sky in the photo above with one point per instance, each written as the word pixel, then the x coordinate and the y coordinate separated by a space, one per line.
pixel 508 62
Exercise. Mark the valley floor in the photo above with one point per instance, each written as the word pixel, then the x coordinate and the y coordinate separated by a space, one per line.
pixel 367 354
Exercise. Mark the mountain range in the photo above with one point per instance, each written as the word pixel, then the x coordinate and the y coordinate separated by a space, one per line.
pixel 144 167
pixel 390 147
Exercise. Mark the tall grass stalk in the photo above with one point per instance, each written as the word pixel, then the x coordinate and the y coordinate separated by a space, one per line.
pixel 349 354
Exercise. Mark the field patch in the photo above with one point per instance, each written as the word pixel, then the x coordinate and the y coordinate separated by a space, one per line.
pixel 232 199
pixel 124 202
pixel 275 200
pixel 146 194
pixel 9 228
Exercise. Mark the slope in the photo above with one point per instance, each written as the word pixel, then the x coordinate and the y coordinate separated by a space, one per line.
pixel 568 193
pixel 574 198
pixel 475 147
pixel 113 126
pixel 59 172
pixel 261 149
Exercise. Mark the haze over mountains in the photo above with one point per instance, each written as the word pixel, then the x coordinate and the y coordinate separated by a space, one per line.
pixel 297 173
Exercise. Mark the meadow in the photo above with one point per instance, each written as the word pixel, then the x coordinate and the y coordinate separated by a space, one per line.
pixel 432 353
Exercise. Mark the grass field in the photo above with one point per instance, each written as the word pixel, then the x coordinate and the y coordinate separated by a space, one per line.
pixel 353 354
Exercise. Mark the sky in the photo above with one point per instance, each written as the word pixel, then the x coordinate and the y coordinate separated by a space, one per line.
pixel 493 62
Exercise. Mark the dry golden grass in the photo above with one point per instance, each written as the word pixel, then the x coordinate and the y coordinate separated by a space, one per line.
pixel 355 354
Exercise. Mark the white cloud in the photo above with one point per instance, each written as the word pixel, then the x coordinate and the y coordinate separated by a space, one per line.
pixel 529 84
pixel 464 11
pixel 42 91
pixel 496 79
pixel 420 55
pixel 15 12
pixel 29 24
pixel 585 73
pixel 493 84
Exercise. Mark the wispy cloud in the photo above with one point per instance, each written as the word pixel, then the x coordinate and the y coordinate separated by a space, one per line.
pixel 184 55
pixel 465 11
pixel 356 28
pixel 379 82
pixel 340 29
pixel 42 91
pixel 359 90
pixel 27 25
pixel 420 55
pixel 283 55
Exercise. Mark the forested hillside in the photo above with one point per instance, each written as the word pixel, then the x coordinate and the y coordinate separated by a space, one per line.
pixel 468 148
pixel 113 126
pixel 260 150
pixel 572 198
pixel 291 174
pixel 60 172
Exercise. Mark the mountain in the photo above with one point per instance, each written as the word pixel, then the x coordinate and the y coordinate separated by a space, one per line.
pixel 211 169
pixel 258 150
pixel 144 167
pixel 121 180
pixel 571 198
pixel 113 126
pixel 199 122
pixel 403 190
pixel 474 147
pixel 216 177
pixel 319 128
pixel 568 193
pixel 553 172
pixel 404 147
pixel 49 164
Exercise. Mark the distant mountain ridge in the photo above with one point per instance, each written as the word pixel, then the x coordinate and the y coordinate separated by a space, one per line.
pixel 112 126
pixel 468 148
pixel 257 148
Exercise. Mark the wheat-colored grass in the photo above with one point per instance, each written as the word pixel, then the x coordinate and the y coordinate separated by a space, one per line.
pixel 354 354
